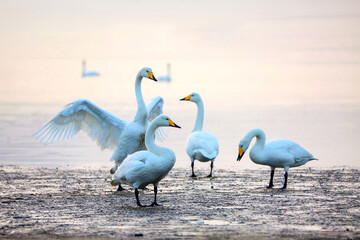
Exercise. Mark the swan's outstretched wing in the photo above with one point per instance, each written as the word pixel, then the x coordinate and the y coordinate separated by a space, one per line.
pixel 155 108
pixel 100 125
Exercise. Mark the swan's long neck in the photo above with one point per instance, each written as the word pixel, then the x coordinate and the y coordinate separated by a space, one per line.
pixel 141 113
pixel 200 116
pixel 259 144
pixel 168 69
pixel 150 140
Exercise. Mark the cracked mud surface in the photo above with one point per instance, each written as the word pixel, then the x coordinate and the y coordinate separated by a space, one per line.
pixel 80 204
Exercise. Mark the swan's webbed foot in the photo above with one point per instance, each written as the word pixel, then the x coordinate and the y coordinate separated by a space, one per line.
pixel 210 175
pixel 154 204
pixel 155 195
pixel 193 175
pixel 270 186
pixel 120 188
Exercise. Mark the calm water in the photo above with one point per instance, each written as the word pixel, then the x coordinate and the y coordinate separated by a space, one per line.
pixel 316 105
pixel 329 132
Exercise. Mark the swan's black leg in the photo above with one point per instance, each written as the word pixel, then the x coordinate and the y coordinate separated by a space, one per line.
pixel 137 198
pixel 155 192
pixel 271 185
pixel 192 169
pixel 211 168
pixel 285 183
pixel 120 188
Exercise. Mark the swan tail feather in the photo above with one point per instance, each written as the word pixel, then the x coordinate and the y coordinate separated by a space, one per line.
pixel 207 155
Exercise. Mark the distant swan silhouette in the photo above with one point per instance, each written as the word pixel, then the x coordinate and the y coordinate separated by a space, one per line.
pixel 278 153
pixel 88 73
pixel 166 78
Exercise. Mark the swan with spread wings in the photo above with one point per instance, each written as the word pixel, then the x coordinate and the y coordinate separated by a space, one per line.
pixel 109 131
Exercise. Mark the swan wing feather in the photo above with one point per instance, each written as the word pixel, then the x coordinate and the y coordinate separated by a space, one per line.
pixel 136 169
pixel 155 108
pixel 286 147
pixel 99 124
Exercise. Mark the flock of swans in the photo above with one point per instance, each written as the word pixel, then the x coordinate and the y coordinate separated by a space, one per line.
pixel 138 161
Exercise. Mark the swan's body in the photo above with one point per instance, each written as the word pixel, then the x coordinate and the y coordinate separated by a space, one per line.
pixel 86 73
pixel 147 167
pixel 167 77
pixel 277 153
pixel 109 131
pixel 202 146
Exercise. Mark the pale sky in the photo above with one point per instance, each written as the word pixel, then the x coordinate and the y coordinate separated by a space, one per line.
pixel 279 30
pixel 274 45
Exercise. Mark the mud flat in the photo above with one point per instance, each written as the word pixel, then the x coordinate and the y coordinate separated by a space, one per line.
pixel 41 203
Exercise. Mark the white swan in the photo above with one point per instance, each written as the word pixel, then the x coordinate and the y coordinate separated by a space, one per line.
pixel 277 153
pixel 147 167
pixel 200 145
pixel 86 73
pixel 109 131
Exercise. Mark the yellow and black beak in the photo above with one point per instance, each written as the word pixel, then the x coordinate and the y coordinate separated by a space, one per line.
pixel 151 76
pixel 172 124
pixel 241 154
pixel 186 98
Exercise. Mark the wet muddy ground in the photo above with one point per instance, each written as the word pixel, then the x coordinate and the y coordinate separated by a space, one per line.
pixel 80 204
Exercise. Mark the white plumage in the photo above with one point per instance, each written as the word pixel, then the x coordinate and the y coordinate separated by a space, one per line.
pixel 101 125
pixel 277 153
pixel 147 167
pixel 106 129
pixel 202 146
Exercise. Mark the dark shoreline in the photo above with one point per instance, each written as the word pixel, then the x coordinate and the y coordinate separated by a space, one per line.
pixel 42 203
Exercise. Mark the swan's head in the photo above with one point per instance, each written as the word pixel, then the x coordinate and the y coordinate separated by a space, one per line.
pixel 163 120
pixel 193 97
pixel 243 146
pixel 147 73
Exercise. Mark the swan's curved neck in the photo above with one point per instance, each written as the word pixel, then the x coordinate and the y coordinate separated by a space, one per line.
pixel 141 113
pixel 150 140
pixel 259 144
pixel 200 116
pixel 260 137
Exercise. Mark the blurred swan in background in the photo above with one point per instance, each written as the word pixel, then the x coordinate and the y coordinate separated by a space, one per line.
pixel 277 153
pixel 147 167
pixel 167 77
pixel 109 131
pixel 200 145
pixel 86 73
